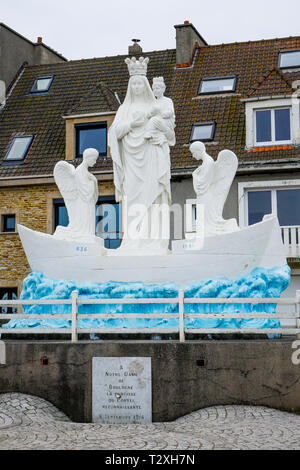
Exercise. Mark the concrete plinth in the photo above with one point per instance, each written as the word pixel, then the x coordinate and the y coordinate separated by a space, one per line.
pixel 185 376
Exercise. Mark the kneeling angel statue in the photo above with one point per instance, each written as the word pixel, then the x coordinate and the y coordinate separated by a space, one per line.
pixel 79 188
pixel 212 181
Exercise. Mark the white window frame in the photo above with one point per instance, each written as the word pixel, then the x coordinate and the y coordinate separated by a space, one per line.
pixel 273 186
pixel 273 141
pixel 292 102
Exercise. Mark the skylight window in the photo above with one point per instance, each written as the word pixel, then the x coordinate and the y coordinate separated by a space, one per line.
pixel 203 131
pixel 289 59
pixel 217 85
pixel 41 84
pixel 18 149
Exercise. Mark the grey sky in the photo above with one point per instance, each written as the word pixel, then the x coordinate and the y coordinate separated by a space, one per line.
pixel 96 28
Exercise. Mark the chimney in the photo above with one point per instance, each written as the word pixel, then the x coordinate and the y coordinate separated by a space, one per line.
pixel 186 37
pixel 39 40
pixel 135 48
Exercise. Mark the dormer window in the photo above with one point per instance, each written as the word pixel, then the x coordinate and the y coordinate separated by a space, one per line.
pixel 203 131
pixel 289 59
pixel 214 85
pixel 18 149
pixel 42 84
pixel 91 135
pixel 272 122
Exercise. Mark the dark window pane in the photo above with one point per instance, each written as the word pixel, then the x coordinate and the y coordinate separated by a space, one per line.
pixel 108 223
pixel 63 218
pixel 263 126
pixel 290 59
pixel 9 223
pixel 111 243
pixel 60 215
pixel 288 206
pixel 282 124
pixel 259 204
pixel 91 137
pixel 8 293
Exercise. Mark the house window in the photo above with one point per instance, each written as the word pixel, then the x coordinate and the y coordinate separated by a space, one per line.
pixel 284 203
pixel 217 85
pixel 273 126
pixel 259 204
pixel 273 121
pixel 41 84
pixel 8 293
pixel 289 59
pixel 8 223
pixel 18 149
pixel 108 222
pixel 91 135
pixel 108 219
pixel 60 213
pixel 203 131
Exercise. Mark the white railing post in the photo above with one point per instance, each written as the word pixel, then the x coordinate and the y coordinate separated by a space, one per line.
pixel 298 310
pixel 74 336
pixel 181 315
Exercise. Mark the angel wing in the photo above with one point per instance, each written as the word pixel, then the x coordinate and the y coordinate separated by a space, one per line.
pixel 64 177
pixel 224 173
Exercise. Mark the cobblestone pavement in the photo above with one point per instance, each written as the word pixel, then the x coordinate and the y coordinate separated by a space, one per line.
pixel 28 422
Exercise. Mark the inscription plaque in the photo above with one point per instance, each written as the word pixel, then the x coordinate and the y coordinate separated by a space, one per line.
pixel 121 390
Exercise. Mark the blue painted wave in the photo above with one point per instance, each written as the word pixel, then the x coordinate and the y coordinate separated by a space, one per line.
pixel 260 283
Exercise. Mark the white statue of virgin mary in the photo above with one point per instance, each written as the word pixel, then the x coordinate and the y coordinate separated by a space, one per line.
pixel 141 166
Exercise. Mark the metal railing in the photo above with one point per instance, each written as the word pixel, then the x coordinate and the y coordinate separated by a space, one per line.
pixel 181 315
pixel 291 240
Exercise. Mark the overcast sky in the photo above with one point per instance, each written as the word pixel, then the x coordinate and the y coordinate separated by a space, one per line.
pixel 97 28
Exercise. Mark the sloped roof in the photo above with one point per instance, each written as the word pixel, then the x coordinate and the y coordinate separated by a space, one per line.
pixel 249 62
pixel 273 81
pixel 88 86
pixel 99 99
pixel 72 90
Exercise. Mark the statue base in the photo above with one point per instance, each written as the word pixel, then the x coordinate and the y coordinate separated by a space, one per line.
pixel 260 283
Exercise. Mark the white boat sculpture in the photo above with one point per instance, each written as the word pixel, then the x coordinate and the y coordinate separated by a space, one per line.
pixel 229 255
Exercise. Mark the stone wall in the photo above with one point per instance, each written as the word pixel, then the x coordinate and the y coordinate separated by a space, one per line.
pixel 185 376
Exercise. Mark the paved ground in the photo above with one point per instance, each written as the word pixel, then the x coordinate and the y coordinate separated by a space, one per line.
pixel 28 422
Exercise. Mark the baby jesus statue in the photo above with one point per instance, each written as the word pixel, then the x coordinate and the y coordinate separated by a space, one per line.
pixel 161 116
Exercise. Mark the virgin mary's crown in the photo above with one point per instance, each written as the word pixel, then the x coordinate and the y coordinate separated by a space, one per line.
pixel 137 67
